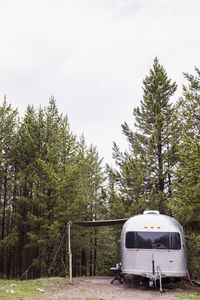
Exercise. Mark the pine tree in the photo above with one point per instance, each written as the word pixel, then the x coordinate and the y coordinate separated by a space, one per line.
pixel 7 132
pixel 143 178
pixel 186 186
pixel 87 204
pixel 25 155
pixel 185 202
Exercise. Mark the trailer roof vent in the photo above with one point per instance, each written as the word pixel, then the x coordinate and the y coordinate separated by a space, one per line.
pixel 151 212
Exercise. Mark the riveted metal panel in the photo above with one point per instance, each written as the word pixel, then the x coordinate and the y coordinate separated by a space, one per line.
pixel 146 262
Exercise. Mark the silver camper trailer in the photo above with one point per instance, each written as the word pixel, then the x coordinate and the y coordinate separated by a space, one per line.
pixel 153 247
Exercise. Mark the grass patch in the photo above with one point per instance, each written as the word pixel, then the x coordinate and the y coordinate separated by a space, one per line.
pixel 28 288
pixel 22 290
pixel 195 296
pixel 83 290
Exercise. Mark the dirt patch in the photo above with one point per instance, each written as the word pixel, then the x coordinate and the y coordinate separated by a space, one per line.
pixel 100 288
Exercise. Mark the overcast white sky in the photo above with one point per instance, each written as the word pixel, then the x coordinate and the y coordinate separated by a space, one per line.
pixel 92 56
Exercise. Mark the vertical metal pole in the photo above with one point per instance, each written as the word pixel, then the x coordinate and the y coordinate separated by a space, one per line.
pixel 70 251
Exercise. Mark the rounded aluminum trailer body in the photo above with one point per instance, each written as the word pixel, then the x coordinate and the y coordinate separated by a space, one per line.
pixel 152 262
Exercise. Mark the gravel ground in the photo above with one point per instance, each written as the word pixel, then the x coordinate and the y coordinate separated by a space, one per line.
pixel 100 288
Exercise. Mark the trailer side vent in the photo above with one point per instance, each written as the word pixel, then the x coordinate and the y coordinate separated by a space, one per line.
pixel 151 212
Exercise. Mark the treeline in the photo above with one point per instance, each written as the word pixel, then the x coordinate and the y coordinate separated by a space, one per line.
pixel 48 177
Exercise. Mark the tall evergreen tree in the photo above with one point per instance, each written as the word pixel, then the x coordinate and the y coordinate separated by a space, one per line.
pixel 143 177
pixel 7 132
pixel 185 202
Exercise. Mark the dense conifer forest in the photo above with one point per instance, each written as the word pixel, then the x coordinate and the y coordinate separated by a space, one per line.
pixel 49 177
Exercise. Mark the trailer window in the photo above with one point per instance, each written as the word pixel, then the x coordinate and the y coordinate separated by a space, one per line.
pixel 153 240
